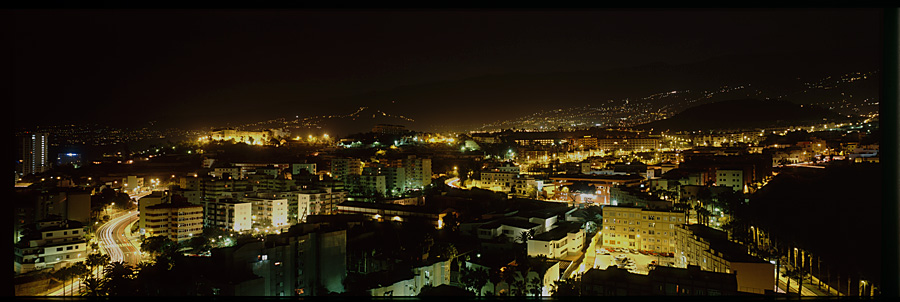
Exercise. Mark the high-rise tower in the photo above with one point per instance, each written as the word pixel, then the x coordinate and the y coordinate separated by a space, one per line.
pixel 34 157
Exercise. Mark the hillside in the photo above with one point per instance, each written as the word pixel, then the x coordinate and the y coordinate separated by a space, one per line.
pixel 744 114
pixel 624 96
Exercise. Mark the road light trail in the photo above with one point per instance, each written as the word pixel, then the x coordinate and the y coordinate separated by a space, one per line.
pixel 115 242
pixel 113 238
pixel 453 182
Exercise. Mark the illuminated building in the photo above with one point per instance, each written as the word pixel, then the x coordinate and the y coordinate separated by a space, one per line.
pixel 733 179
pixel 247 137
pixel 509 227
pixel 411 284
pixel 34 153
pixel 52 244
pixel 586 142
pixel 418 171
pixel 319 202
pixel 225 172
pixel 227 214
pixel 710 250
pixel 628 144
pixel 341 167
pixel 639 229
pixel 177 221
pixel 401 175
pixel 603 184
pixel 69 158
pixel 268 211
pixel 367 184
pixel 155 198
pixel 564 240
pixel 293 199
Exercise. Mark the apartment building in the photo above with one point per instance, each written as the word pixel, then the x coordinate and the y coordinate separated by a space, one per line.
pixel 710 250
pixel 50 244
pixel 640 229
pixel 227 214
pixel 267 210
pixel 733 178
pixel 177 221
pixel 319 202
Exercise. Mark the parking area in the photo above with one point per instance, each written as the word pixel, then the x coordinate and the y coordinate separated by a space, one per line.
pixel 635 262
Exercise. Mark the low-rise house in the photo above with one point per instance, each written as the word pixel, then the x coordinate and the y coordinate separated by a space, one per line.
pixel 567 239
pixel 50 244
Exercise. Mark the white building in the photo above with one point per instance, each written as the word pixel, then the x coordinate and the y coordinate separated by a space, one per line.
pixel 227 214
pixel 269 212
pixel 435 274
pixel 319 202
pixel 51 244
pixel 565 240
pixel 509 227
pixel 731 178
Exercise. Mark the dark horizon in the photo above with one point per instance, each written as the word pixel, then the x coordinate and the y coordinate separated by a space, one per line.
pixel 198 67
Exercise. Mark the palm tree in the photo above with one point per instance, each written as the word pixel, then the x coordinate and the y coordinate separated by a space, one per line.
pixel 117 280
pixel 494 276
pixel 519 285
pixel 508 277
pixel 474 279
pixel 536 286
pixel 79 269
pixel 525 236
pixel 93 286
pixel 60 275
pixel 684 206
pixel 702 214
pixel 795 273
pixel 97 260
pixel 566 287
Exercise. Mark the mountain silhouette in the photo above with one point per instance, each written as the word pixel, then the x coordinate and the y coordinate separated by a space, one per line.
pixel 744 114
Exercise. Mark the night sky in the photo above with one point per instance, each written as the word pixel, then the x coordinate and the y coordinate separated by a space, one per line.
pixel 201 67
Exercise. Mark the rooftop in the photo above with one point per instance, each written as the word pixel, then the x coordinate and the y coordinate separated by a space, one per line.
pixel 391 207
pixel 519 222
pixel 598 177
pixel 561 230
pixel 175 205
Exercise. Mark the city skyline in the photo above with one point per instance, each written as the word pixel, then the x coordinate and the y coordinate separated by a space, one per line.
pixel 454 152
